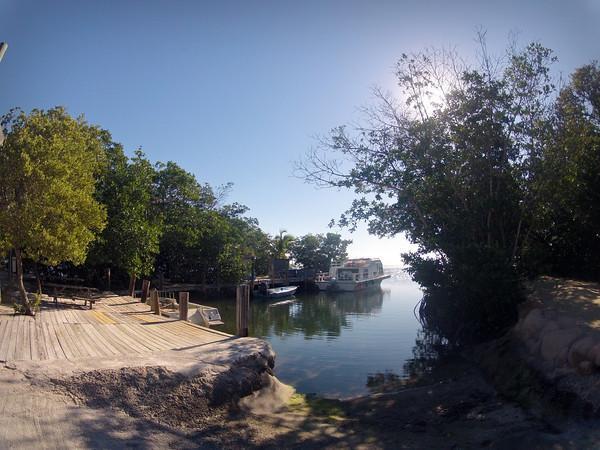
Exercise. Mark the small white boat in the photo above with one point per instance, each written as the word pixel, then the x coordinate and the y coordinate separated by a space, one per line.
pixel 352 275
pixel 278 292
pixel 206 316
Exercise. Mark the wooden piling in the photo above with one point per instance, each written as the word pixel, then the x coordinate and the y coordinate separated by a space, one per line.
pixel 184 298
pixel 145 290
pixel 242 309
pixel 155 302
pixel 132 286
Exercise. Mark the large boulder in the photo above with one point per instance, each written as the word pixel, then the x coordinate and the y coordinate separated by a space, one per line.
pixel 556 343
pixel 532 323
pixel 580 350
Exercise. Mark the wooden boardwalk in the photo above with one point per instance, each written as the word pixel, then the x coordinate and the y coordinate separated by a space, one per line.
pixel 116 326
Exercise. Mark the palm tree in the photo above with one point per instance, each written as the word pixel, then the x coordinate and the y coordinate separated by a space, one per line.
pixel 282 243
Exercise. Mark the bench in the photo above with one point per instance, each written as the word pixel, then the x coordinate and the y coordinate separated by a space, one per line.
pixel 87 294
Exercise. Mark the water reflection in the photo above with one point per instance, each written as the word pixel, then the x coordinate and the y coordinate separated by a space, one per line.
pixel 322 315
pixel 426 354
pixel 311 315
pixel 330 343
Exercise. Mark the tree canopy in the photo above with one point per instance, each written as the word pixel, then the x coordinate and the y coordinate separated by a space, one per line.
pixel 48 167
pixel 470 164
pixel 317 251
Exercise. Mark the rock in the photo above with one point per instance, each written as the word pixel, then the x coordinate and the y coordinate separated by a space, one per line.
pixel 556 343
pixel 594 354
pixel 580 350
pixel 549 326
pixel 566 322
pixel 533 345
pixel 585 368
pixel 532 323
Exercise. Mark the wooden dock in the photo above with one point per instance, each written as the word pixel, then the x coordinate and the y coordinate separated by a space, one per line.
pixel 116 326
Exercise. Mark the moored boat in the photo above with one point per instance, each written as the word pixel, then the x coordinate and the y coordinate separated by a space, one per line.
pixel 352 275
pixel 277 292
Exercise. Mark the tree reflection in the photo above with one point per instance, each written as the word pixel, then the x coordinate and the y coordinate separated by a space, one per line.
pixel 428 351
pixel 310 315
pixel 320 315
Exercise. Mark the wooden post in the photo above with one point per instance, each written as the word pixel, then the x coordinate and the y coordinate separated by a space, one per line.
pixel 145 290
pixel 132 286
pixel 184 298
pixel 155 302
pixel 242 309
pixel 152 294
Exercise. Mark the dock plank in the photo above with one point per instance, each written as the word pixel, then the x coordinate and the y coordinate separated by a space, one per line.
pixel 116 326
pixel 138 348
pixel 64 342
pixel 22 347
pixel 33 341
pixel 78 349
pixel 137 337
pixel 105 332
pixel 83 342
pixel 100 341
pixel 6 341
pixel 3 334
pixel 48 344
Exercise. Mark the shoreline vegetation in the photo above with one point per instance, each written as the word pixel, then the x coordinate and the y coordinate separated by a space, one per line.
pixel 74 206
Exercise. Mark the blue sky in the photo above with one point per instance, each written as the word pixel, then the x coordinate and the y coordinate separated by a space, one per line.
pixel 237 91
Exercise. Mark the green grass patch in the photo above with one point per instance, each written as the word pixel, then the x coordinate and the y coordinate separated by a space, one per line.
pixel 317 406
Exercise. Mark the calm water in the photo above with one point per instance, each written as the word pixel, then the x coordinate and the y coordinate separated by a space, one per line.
pixel 330 344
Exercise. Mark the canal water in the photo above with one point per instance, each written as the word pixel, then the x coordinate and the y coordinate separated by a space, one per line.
pixel 336 345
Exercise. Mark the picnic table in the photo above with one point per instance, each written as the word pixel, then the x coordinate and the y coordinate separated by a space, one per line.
pixel 87 294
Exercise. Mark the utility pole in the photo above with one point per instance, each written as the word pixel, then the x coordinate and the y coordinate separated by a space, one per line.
pixel 3 48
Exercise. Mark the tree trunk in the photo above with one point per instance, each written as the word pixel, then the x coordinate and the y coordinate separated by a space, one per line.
pixel 20 284
pixel 516 245
pixel 37 278
pixel 10 272
pixel 132 285
pixel 145 290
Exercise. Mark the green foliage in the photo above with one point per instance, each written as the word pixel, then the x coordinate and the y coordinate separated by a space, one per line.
pixel 567 240
pixel 202 241
pixel 131 238
pixel 454 168
pixel 317 251
pixel 180 201
pixel 282 244
pixel 48 167
pixel 37 302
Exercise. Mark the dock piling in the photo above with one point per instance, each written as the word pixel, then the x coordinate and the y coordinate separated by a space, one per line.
pixel 145 290
pixel 155 301
pixel 242 309
pixel 184 298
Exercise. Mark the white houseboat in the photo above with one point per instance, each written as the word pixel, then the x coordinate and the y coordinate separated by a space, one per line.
pixel 352 275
